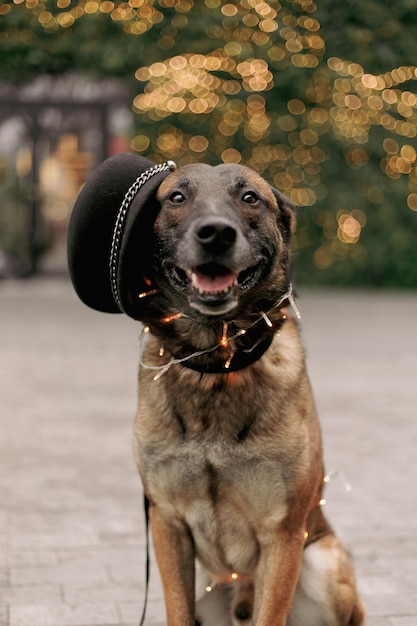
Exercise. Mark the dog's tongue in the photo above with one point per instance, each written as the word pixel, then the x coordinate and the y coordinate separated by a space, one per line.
pixel 212 284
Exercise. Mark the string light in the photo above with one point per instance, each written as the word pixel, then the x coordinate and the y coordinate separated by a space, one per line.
pixel 224 340
pixel 340 474
pixel 171 318
pixel 162 371
pixel 266 319
pixel 231 578
pixel 146 294
pixel 329 476
pixel 293 304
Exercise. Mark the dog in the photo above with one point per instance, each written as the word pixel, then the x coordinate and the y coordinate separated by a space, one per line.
pixel 226 436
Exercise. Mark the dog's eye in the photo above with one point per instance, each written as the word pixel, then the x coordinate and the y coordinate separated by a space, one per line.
pixel 177 197
pixel 250 197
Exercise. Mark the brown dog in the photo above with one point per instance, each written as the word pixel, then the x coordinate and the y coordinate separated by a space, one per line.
pixel 227 439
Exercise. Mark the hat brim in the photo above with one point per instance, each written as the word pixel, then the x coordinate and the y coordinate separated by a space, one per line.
pixel 91 232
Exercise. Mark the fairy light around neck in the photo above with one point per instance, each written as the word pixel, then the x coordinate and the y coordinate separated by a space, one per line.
pixel 225 340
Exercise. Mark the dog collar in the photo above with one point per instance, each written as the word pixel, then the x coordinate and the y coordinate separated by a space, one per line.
pixel 238 351
pixel 238 361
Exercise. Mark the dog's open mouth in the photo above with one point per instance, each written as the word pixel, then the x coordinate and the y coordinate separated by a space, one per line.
pixel 212 279
pixel 213 287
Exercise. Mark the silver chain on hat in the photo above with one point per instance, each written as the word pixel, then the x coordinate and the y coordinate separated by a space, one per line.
pixel 121 219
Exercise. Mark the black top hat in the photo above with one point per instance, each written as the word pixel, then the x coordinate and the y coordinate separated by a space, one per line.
pixel 111 224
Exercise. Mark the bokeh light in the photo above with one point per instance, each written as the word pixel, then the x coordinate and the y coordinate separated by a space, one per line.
pixel 216 95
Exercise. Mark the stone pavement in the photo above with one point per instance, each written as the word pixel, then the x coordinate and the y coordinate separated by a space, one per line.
pixel 71 522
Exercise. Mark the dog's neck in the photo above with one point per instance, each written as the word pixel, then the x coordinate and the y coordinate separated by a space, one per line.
pixel 231 354
pixel 220 347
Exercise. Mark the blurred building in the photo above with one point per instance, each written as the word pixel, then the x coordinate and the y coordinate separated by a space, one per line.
pixel 53 132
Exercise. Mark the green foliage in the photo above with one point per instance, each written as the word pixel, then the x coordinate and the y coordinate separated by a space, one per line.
pixel 319 99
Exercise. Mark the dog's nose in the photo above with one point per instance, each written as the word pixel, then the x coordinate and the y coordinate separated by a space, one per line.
pixel 216 236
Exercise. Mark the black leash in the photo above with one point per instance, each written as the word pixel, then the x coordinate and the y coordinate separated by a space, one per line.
pixel 148 561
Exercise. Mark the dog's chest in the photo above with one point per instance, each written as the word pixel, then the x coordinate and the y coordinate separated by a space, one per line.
pixel 227 496
pixel 221 458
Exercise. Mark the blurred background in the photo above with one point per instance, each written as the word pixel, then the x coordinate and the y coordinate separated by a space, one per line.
pixel 319 98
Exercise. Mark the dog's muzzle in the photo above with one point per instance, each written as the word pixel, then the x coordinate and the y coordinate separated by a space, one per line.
pixel 215 264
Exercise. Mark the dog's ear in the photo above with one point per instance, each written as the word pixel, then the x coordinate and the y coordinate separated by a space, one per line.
pixel 287 214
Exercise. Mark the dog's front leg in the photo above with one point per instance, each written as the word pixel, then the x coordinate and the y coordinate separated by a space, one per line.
pixel 276 580
pixel 174 552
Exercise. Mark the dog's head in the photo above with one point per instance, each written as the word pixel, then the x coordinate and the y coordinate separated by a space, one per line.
pixel 221 239
pixel 150 240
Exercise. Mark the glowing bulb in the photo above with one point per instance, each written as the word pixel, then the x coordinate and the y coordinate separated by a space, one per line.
pixel 342 477
pixel 145 294
pixel 322 501
pixel 293 304
pixel 266 319
pixel 224 340
pixel 162 371
pixel 234 576
pixel 161 351
pixel 227 364
pixel 305 535
pixel 171 318
pixel 241 332
pixel 208 588
pixel 146 329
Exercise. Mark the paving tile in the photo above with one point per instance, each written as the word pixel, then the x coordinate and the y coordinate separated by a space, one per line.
pixel 78 570
pixel 64 615
pixel 131 612
pixel 33 594
pixel 401 604
pixel 129 572
pixel 117 555
pixel 53 540
pixel 76 594
pixel 28 557
pixel 4 615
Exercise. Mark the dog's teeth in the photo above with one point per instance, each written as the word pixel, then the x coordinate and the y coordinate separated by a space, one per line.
pixel 196 284
pixel 198 280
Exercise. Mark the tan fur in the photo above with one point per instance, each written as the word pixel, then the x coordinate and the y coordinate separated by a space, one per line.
pixel 232 466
